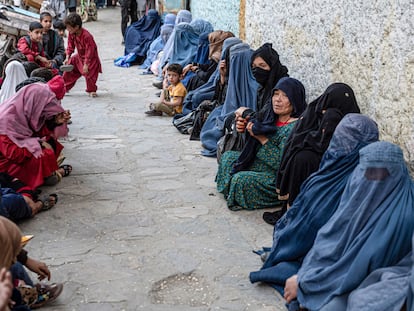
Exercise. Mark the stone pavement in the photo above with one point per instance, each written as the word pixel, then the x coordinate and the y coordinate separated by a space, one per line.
pixel 139 224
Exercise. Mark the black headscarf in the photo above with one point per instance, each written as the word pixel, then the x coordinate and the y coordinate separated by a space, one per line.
pixel 277 71
pixel 265 120
pixel 314 130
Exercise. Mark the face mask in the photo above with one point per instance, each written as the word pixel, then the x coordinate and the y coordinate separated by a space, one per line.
pixel 261 75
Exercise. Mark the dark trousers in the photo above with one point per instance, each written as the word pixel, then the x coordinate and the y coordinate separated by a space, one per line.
pixel 128 9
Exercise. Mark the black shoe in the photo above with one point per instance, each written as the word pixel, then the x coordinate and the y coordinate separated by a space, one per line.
pixel 158 85
pixel 158 94
pixel 272 217
pixel 153 113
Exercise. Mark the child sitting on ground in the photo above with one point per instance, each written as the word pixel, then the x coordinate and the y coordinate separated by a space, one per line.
pixel 60 27
pixel 86 61
pixel 52 43
pixel 31 45
pixel 172 97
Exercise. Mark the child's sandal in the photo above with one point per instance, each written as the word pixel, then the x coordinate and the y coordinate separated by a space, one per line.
pixel 67 169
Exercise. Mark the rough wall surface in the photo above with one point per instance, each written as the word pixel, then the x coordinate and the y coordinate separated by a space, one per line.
pixel 223 15
pixel 366 44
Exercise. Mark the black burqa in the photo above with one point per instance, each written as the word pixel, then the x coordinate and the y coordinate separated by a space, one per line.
pixel 311 136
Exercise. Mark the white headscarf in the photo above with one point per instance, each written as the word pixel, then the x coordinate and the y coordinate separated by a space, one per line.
pixel 15 73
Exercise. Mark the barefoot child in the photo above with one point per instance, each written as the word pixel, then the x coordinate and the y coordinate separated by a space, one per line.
pixel 86 61
pixel 171 99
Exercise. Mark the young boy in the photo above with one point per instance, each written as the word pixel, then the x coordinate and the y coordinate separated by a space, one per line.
pixel 60 27
pixel 31 45
pixel 172 97
pixel 52 43
pixel 86 61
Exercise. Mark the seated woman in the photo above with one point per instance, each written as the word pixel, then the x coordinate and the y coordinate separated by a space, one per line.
pixel 14 73
pixel 266 69
pixel 309 140
pixel 30 123
pixel 295 232
pixel 371 228
pixel 247 179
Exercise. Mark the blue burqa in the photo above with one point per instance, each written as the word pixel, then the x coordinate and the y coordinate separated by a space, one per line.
pixel 184 46
pixel 200 26
pixel 206 91
pixel 140 34
pixel 295 232
pixel 371 229
pixel 241 92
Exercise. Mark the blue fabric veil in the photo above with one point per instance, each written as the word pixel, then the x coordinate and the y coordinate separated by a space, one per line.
pixel 241 92
pixel 319 198
pixel 200 26
pixel 185 45
pixel 169 19
pixel 140 34
pixel 203 49
pixel 371 229
pixel 206 91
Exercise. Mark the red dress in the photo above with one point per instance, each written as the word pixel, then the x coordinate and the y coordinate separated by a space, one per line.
pixel 87 53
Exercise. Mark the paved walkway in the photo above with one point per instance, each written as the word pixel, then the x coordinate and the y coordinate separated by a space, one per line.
pixel 139 224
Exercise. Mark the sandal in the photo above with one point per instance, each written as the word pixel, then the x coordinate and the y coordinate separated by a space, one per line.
pixel 46 293
pixel 67 169
pixel 48 202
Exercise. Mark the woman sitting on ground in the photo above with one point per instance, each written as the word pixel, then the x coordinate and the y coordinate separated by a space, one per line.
pixel 294 234
pixel 14 73
pixel 309 140
pixel 371 228
pixel 30 123
pixel 247 179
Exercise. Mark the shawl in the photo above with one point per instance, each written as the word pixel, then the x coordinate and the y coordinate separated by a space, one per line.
pixel 241 92
pixel 277 71
pixel 139 35
pixel 216 39
pixel 207 91
pixel 319 198
pixel 371 229
pixel 25 113
pixel 309 133
pixel 265 122
pixel 14 74
pixel 57 85
pixel 10 242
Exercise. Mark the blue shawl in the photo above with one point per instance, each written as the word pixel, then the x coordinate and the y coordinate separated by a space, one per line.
pixel 200 26
pixel 241 92
pixel 371 229
pixel 140 34
pixel 319 198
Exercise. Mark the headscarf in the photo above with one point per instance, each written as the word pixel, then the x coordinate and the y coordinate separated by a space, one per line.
pixel 29 81
pixel 241 92
pixel 183 16
pixel 310 133
pixel 140 34
pixel 15 73
pixel 319 198
pixel 202 50
pixel 372 228
pixel 57 85
pixel 277 71
pixel 265 122
pixel 216 39
pixel 184 46
pixel 200 26
pixel 169 19
pixel 10 242
pixel 207 91
pixel 25 113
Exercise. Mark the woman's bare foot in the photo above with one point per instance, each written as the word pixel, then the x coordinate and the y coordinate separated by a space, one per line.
pixel 41 205
pixel 93 94
pixel 291 288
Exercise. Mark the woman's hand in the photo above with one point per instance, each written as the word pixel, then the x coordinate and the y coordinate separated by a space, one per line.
pixel 187 69
pixel 261 138
pixel 38 267
pixel 6 288
pixel 240 121
pixel 46 145
pixel 63 117
pixel 291 288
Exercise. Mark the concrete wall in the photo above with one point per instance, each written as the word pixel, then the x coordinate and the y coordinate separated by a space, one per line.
pixel 223 15
pixel 366 44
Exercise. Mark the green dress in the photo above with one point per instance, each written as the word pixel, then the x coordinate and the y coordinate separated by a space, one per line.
pixel 255 188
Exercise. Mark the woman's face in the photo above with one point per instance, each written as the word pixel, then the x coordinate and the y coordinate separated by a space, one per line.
pixel 259 62
pixel 281 103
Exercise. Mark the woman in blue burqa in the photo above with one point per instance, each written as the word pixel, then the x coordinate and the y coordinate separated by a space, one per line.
pixel 371 229
pixel 319 198
pixel 248 178
pixel 158 44
pixel 140 35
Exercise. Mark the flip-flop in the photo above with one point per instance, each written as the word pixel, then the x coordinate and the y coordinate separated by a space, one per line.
pixel 47 201
pixel 67 169
pixel 46 293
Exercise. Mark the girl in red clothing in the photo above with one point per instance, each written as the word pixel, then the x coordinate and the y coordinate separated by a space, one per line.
pixel 86 62
pixel 30 123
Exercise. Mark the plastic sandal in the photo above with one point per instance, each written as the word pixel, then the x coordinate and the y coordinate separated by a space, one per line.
pixel 67 169
pixel 49 201
pixel 46 293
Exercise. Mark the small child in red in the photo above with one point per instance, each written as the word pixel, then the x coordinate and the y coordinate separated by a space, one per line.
pixel 32 47
pixel 86 61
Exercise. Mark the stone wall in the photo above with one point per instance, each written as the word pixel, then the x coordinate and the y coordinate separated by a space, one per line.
pixel 366 44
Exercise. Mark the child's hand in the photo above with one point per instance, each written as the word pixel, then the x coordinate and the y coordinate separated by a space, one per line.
pixel 66 61
pixel 6 288
pixel 85 69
